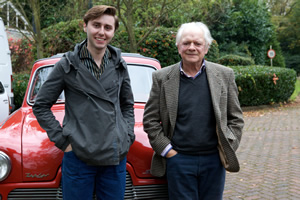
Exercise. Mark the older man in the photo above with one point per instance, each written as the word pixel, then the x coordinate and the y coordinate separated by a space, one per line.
pixel 194 120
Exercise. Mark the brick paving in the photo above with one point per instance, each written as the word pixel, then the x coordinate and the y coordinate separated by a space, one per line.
pixel 269 156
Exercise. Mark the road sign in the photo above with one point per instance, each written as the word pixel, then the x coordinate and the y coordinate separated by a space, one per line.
pixel 271 53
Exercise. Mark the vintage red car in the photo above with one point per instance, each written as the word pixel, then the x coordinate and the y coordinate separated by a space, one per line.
pixel 30 165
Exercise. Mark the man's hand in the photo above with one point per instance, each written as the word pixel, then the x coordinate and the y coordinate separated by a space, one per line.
pixel 171 153
pixel 69 148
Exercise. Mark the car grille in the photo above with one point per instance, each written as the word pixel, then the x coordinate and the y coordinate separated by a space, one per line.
pixel 132 192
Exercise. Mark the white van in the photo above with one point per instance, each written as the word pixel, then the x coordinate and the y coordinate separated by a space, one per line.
pixel 5 64
pixel 4 104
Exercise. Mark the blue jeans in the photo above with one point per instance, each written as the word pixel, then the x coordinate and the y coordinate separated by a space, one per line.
pixel 80 181
pixel 195 177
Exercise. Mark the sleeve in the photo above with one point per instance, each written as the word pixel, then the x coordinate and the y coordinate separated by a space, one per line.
pixel 127 103
pixel 235 120
pixel 47 96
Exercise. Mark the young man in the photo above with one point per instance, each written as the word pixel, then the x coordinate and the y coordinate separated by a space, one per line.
pixel 98 125
pixel 194 120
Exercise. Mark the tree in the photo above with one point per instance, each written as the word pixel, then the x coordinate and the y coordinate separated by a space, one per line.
pixel 137 13
pixel 31 11
pixel 235 23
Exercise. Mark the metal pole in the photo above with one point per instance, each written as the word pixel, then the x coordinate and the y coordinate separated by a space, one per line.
pixel 271 62
pixel 271 58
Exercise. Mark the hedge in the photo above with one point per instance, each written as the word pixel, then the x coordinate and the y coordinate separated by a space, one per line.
pixel 257 85
pixel 235 60
pixel 261 85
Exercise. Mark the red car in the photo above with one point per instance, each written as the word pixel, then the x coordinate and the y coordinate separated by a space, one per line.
pixel 30 165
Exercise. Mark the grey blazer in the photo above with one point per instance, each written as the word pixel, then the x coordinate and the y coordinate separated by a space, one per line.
pixel 161 112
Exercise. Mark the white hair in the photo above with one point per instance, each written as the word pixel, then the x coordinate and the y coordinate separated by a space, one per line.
pixel 199 25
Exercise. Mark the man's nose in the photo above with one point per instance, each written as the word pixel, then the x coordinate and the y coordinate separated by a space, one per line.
pixel 101 30
pixel 192 46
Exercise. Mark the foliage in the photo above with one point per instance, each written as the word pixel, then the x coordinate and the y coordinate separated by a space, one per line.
pixel 63 36
pixel 20 84
pixel 243 23
pixel 21 52
pixel 213 52
pixel 278 61
pixel 151 12
pixel 293 62
pixel 160 44
pixel 235 60
pixel 232 47
pixel 288 30
pixel 259 85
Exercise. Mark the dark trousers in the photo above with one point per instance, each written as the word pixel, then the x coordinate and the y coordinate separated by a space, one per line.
pixel 79 180
pixel 195 177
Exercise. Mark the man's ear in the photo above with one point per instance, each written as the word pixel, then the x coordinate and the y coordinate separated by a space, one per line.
pixel 84 27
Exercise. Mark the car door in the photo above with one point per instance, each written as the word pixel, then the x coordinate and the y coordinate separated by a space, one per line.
pixel 4 104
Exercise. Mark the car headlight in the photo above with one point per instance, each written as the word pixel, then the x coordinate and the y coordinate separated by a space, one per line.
pixel 5 166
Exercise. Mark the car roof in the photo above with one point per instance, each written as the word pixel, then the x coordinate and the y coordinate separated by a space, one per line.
pixel 131 58
pixel 128 57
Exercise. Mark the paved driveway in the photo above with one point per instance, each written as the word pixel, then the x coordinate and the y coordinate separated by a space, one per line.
pixel 269 155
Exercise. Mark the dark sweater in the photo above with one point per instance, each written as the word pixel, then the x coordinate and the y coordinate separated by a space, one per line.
pixel 195 130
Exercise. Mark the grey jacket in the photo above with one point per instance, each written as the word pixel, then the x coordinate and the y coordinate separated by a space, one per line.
pixel 99 117
pixel 161 112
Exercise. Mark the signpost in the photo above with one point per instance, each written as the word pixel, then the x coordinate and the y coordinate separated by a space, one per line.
pixel 271 54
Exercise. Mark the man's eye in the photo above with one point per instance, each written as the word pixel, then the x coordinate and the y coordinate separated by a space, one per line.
pixel 108 27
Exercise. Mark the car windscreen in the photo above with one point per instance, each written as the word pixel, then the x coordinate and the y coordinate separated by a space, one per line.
pixel 140 77
pixel 141 81
pixel 39 78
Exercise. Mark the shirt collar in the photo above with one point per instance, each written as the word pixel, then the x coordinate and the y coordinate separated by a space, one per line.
pixel 203 67
pixel 84 52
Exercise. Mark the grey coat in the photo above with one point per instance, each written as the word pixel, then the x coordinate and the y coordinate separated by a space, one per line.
pixel 161 111
pixel 99 117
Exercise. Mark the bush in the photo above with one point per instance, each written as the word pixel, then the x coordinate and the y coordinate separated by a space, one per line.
pixel 62 37
pixel 260 85
pixel 213 52
pixel 20 84
pixel 21 55
pixel 235 60
pixel 160 44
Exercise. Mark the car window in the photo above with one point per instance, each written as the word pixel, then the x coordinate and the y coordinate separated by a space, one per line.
pixel 141 81
pixel 39 78
pixel 1 88
pixel 140 77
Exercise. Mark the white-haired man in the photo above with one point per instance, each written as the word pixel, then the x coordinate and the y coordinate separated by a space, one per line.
pixel 194 120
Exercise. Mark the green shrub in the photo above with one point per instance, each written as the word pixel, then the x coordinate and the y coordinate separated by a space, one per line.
pixel 20 84
pixel 62 37
pixel 213 52
pixel 235 60
pixel 260 85
pixel 160 44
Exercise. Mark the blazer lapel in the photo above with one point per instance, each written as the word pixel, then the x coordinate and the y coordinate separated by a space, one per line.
pixel 215 86
pixel 171 86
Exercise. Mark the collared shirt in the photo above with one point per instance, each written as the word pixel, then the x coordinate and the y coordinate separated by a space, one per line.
pixel 169 147
pixel 198 73
pixel 87 59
